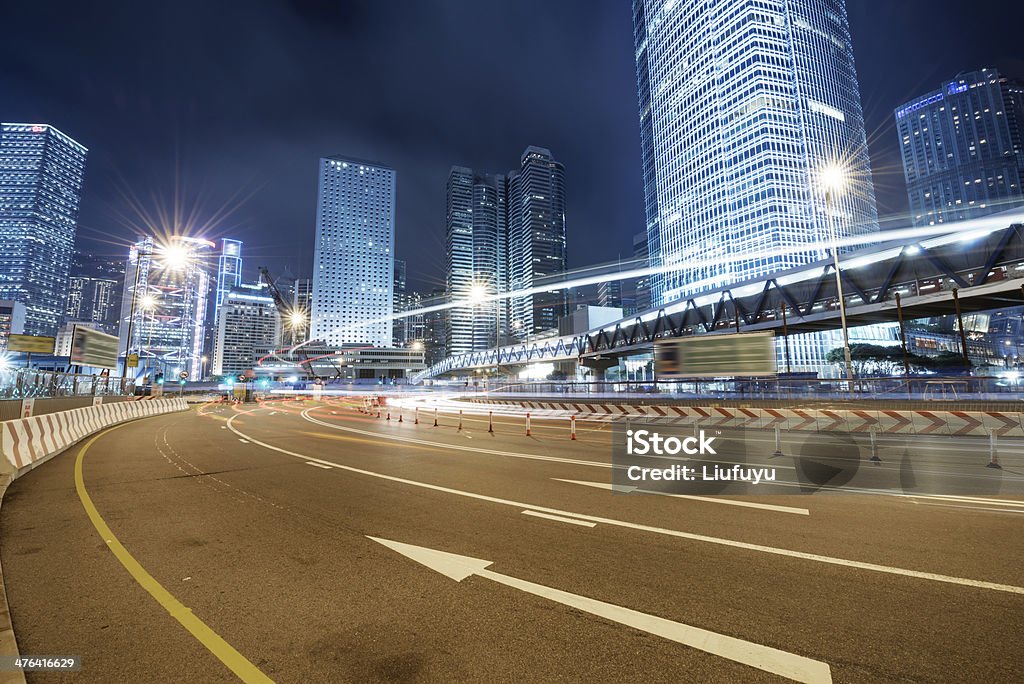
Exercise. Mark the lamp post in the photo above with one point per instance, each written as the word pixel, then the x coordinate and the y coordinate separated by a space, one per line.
pixel 833 179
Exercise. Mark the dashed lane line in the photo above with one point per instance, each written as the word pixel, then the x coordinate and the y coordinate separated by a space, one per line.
pixel 759 548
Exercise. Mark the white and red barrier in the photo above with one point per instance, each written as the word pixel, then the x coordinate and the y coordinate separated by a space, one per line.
pixel 913 422
pixel 26 442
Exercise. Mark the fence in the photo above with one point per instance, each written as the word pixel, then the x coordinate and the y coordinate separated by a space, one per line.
pixel 23 383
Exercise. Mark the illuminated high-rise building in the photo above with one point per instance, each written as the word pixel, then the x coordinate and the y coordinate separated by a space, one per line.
pixel 229 272
pixel 743 103
pixel 963 148
pixel 248 324
pixel 41 172
pixel 476 257
pixel 353 264
pixel 167 287
pixel 536 241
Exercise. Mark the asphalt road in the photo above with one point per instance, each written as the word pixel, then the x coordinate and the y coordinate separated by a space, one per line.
pixel 261 522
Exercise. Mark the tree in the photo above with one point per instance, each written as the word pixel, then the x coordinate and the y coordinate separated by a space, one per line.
pixel 875 359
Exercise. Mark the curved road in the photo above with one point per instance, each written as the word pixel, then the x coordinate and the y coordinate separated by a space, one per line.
pixel 266 542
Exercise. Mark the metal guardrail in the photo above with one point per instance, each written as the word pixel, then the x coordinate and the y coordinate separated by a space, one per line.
pixel 868 389
pixel 22 383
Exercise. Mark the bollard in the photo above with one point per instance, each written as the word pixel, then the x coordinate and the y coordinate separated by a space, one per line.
pixel 435 417
pixel 416 415
pixel 389 414
pixel 874 448
pixel 778 444
pixel 460 420
pixel 378 411
pixel 490 422
pixel 572 427
pixel 993 456
pixel 400 417
pixel 527 423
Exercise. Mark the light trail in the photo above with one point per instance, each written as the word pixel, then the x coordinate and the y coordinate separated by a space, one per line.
pixel 961 230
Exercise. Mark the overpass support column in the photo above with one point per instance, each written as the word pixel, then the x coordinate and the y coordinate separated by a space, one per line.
pixel 598 366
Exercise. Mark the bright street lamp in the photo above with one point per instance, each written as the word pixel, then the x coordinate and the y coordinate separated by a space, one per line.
pixel 834 179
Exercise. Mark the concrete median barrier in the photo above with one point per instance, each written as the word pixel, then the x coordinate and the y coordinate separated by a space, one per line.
pixel 911 422
pixel 27 442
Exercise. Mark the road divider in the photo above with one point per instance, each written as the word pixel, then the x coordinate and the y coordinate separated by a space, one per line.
pixel 917 422
pixel 27 442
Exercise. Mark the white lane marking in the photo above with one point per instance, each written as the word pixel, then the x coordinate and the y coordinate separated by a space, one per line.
pixel 971 508
pixel 319 465
pixel 243 441
pixel 571 521
pixel 709 499
pixel 457 447
pixel 970 499
pixel 782 663
pixel 223 427
pixel 860 565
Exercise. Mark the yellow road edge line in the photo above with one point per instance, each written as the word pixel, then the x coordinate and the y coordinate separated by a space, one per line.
pixel 213 642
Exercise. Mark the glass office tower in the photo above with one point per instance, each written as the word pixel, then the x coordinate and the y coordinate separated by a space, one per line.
pixel 742 104
pixel 963 148
pixel 353 264
pixel 41 172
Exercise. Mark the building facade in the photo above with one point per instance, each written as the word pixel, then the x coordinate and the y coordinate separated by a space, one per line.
pixel 12 320
pixel 536 242
pixel 247 323
pixel 229 272
pixel 476 258
pixel 163 307
pixel 744 105
pixel 41 173
pixel 963 148
pixel 95 301
pixel 353 269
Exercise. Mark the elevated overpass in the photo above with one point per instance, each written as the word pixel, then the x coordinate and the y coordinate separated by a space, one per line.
pixel 970 270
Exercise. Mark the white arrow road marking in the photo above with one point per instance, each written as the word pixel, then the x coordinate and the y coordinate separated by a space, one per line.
pixel 782 663
pixel 571 521
pixel 625 489
pixel 691 536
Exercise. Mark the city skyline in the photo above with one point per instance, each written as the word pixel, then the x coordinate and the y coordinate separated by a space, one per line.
pixel 608 182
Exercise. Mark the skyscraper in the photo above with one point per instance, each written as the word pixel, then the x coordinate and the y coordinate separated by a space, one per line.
pixel 963 148
pixel 476 258
pixel 536 242
pixel 742 104
pixel 41 172
pixel 168 327
pixel 229 272
pixel 247 324
pixel 353 262
pixel 12 321
pixel 94 300
pixel 641 259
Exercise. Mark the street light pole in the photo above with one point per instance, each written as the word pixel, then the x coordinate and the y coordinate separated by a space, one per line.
pixel 839 287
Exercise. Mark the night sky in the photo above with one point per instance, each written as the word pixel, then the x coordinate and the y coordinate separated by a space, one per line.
pixel 228 105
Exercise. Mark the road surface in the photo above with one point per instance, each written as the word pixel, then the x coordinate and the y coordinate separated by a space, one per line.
pixel 299 542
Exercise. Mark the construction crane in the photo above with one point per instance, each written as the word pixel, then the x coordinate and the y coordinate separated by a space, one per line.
pixel 285 313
